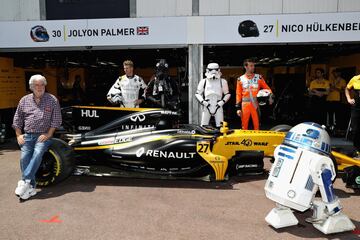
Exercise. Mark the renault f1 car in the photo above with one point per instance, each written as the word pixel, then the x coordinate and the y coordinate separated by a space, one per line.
pixel 150 143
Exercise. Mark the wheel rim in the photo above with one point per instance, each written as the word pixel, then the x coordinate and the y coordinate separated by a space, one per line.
pixel 48 169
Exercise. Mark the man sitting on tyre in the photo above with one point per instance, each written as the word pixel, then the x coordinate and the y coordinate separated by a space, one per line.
pixel 36 118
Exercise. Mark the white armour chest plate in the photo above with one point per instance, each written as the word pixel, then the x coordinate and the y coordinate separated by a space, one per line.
pixel 213 87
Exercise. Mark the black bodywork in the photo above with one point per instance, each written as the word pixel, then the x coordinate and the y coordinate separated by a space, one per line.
pixel 152 144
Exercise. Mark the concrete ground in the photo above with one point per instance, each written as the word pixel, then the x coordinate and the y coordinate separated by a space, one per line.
pixel 116 208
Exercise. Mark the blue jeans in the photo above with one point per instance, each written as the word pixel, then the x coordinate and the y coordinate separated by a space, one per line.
pixel 32 152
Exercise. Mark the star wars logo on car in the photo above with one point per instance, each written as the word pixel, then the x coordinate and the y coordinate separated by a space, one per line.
pixel 247 143
pixel 163 154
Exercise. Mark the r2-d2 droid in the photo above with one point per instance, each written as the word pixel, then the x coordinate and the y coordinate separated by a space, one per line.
pixel 303 166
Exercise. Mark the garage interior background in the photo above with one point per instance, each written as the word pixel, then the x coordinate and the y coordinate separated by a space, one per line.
pixel 285 66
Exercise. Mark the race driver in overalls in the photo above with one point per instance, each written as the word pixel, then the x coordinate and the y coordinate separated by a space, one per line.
pixel 212 92
pixel 128 90
pixel 247 88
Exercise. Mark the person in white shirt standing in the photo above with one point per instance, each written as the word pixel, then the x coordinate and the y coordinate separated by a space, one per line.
pixel 128 89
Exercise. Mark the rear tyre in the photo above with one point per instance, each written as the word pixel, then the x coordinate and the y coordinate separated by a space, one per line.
pixel 281 128
pixel 57 164
pixel 351 177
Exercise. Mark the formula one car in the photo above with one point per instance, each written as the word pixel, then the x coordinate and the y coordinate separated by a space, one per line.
pixel 150 144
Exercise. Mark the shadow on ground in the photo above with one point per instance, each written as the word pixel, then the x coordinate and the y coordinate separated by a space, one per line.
pixel 305 230
pixel 89 183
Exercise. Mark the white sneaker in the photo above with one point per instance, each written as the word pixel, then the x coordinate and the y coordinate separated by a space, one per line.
pixel 21 188
pixel 31 191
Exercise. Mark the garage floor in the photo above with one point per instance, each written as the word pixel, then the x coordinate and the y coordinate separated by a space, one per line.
pixel 115 208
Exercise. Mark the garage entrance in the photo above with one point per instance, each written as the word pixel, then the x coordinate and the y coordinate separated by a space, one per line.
pixel 95 70
pixel 288 69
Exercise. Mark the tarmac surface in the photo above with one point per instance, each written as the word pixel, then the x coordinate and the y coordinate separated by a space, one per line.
pixel 119 208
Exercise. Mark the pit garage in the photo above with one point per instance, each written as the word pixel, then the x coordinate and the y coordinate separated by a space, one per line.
pixel 82 58
pixel 91 51
pixel 288 69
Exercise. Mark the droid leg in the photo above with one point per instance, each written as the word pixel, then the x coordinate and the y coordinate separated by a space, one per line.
pixel 327 215
pixel 330 223
pixel 281 216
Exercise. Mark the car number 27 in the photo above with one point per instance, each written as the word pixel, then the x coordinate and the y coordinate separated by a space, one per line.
pixel 203 147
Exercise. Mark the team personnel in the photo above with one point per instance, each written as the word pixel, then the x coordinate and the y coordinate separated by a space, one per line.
pixel 333 100
pixel 319 90
pixel 128 89
pixel 247 88
pixel 36 118
pixel 354 85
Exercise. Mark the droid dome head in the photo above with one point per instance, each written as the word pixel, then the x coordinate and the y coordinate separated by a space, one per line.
pixel 310 136
pixel 213 71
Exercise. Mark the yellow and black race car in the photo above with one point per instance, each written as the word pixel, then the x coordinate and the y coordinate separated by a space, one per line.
pixel 149 143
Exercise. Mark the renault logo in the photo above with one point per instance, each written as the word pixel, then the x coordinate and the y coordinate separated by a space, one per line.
pixel 140 152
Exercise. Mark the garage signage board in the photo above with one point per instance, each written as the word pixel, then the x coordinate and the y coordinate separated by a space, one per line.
pixel 301 28
pixel 167 31
pixel 93 32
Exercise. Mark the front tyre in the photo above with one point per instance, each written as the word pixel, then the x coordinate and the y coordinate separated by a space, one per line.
pixel 57 164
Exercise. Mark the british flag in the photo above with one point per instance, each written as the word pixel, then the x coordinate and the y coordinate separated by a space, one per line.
pixel 142 30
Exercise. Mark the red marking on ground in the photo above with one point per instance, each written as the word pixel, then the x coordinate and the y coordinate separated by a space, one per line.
pixel 356 231
pixel 54 219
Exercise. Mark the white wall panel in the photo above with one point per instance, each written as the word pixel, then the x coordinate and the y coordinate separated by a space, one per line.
pixel 255 7
pixel 309 6
pixel 183 7
pixel 160 8
pixel 349 5
pixel 19 10
pixel 214 7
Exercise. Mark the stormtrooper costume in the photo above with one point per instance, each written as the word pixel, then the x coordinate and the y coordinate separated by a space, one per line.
pixel 126 91
pixel 212 92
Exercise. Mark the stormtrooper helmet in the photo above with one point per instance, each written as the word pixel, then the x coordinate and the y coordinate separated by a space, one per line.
pixel 310 136
pixel 213 71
